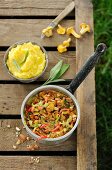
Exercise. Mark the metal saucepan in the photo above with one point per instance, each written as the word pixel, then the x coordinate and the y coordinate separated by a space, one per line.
pixel 80 76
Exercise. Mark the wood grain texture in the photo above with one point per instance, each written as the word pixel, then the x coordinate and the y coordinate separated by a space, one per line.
pixel 86 135
pixel 65 12
pixel 54 57
pixel 12 96
pixel 32 7
pixel 46 163
pixel 14 30
pixel 8 138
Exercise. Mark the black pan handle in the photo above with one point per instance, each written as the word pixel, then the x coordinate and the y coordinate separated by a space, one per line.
pixel 88 66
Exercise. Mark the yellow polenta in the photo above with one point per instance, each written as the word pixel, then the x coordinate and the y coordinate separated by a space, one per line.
pixel 26 61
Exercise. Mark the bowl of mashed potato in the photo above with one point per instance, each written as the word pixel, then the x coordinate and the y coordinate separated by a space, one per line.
pixel 26 61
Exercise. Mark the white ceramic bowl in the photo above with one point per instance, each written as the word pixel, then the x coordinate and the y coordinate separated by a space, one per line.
pixel 51 140
pixel 25 80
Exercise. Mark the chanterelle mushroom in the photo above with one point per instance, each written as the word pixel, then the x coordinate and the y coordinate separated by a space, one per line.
pixel 66 43
pixel 61 48
pixel 47 31
pixel 84 28
pixel 61 30
pixel 71 30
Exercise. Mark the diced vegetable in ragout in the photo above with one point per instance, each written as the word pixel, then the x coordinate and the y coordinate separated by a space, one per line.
pixel 50 114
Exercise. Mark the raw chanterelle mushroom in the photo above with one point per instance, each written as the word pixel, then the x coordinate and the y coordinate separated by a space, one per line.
pixel 61 30
pixel 84 28
pixel 71 30
pixel 63 47
pixel 47 31
pixel 67 42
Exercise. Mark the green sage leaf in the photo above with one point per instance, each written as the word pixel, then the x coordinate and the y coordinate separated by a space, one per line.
pixel 26 55
pixel 17 65
pixel 54 71
pixel 63 69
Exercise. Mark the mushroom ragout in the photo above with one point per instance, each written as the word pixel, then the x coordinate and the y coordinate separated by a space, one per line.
pixel 50 114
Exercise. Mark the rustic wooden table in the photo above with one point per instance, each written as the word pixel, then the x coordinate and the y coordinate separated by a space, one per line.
pixel 24 20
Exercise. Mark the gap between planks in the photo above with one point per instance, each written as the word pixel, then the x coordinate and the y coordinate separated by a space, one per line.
pixel 4 48
pixel 40 152
pixel 36 17
pixel 38 82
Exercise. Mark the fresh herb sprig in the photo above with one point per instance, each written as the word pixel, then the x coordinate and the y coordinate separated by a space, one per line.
pixel 26 56
pixel 16 63
pixel 56 72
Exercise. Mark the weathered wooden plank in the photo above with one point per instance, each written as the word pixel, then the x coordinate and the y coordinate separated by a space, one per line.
pixel 46 163
pixel 12 95
pixel 86 136
pixel 54 57
pixel 8 138
pixel 15 30
pixel 32 7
